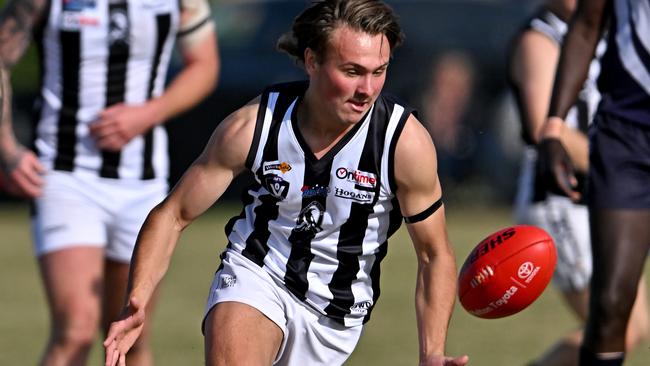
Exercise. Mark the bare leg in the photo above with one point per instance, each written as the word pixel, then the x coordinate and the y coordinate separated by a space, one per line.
pixel 620 242
pixel 116 279
pixel 233 329
pixel 73 286
pixel 565 351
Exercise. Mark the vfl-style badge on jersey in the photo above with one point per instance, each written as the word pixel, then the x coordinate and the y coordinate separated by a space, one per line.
pixel 277 187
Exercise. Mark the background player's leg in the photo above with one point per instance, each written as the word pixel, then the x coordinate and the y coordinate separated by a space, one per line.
pixel 73 285
pixel 116 277
pixel 238 334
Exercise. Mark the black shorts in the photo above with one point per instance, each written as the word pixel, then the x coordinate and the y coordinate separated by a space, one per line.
pixel 619 157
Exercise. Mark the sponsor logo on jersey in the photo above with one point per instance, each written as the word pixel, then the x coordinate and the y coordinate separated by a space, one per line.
pixel 277 187
pixel 355 195
pixel 118 30
pixel 78 13
pixel 311 218
pixel 275 166
pixel 363 179
pixel 361 307
pixel 226 281
pixel 316 191
pixel 78 5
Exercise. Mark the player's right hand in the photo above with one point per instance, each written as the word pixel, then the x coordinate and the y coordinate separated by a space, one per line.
pixel 555 169
pixel 23 173
pixel 124 332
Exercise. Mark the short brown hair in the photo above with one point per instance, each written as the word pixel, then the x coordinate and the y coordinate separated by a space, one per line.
pixel 313 27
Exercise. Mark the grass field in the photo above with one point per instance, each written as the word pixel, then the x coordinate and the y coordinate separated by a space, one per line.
pixel 389 339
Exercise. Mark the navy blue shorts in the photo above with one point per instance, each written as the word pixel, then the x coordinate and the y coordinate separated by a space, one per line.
pixel 619 170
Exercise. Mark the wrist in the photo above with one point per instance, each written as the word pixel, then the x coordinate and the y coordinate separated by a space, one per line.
pixel 553 128
pixel 157 109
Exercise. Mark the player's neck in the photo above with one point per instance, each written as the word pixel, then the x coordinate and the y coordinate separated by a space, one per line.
pixel 319 128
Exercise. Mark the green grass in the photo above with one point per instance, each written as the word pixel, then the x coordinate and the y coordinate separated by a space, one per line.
pixel 389 339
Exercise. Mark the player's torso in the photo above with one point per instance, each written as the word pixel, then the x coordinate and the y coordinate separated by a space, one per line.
pixel 626 83
pixel 321 224
pixel 95 54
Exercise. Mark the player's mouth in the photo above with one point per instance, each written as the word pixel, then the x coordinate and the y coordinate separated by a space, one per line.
pixel 358 105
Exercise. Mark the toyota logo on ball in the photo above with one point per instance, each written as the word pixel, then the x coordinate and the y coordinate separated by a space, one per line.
pixel 525 270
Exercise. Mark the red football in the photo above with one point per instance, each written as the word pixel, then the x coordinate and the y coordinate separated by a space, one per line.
pixel 506 271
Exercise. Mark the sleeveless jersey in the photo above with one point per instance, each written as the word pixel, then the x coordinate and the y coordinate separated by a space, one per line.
pixel 626 84
pixel 579 116
pixel 320 227
pixel 94 54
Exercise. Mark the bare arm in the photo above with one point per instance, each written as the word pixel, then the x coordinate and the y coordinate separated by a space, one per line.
pixel 533 69
pixel 556 168
pixel 577 52
pixel 118 124
pixel 21 167
pixel 418 189
pixel 202 184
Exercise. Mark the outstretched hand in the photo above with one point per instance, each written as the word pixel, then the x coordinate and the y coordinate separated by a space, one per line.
pixel 123 333
pixel 556 169
pixel 445 361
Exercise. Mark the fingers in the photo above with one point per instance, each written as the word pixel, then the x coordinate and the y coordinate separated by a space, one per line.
pixel 567 183
pixel 26 178
pixel 108 135
pixel 459 361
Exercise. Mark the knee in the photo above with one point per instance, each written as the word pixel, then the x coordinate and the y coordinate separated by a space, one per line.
pixel 611 314
pixel 76 329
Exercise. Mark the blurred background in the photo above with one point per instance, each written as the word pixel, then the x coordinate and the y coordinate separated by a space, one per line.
pixel 452 68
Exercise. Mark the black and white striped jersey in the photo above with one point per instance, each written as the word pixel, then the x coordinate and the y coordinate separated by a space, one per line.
pixel 626 84
pixel 320 226
pixel 94 54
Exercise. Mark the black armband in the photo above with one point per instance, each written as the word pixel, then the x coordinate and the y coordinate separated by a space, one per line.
pixel 424 214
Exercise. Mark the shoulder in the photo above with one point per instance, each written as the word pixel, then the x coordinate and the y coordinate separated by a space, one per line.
pixel 232 138
pixel 414 142
pixel 416 168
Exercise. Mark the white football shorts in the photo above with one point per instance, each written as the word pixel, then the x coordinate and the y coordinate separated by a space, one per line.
pixel 310 338
pixel 568 225
pixel 78 209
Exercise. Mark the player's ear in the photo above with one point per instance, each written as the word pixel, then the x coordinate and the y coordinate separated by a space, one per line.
pixel 311 61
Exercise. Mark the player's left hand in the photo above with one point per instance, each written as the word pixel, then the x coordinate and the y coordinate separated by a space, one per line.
pixel 120 123
pixel 438 360
pixel 123 333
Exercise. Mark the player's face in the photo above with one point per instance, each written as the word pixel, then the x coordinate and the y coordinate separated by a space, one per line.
pixel 349 77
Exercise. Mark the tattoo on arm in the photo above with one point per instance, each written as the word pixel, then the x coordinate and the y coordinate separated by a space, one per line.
pixel 17 21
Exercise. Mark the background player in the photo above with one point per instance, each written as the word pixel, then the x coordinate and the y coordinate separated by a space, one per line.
pixel 618 190
pixel 532 67
pixel 102 155
pixel 334 162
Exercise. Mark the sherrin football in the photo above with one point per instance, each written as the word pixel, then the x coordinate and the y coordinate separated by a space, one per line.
pixel 506 271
